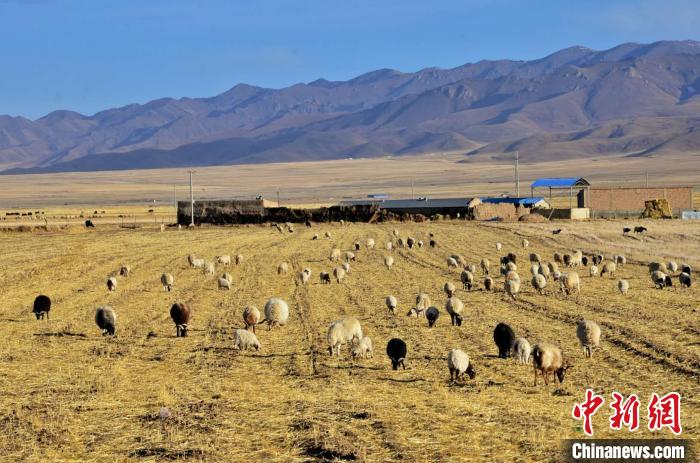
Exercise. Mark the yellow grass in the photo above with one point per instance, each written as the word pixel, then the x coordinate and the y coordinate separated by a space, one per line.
pixel 69 394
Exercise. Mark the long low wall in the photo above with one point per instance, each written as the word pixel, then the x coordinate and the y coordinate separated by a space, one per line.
pixel 611 199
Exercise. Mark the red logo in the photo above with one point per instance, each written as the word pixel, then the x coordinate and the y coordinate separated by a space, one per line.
pixel 587 409
pixel 665 412
pixel 624 412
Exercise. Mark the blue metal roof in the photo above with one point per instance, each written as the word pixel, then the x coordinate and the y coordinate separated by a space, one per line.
pixel 519 201
pixel 562 182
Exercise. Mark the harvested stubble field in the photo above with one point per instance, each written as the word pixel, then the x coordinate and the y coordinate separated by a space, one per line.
pixel 69 394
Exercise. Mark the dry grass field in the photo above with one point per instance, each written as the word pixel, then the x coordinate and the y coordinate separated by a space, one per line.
pixel 70 394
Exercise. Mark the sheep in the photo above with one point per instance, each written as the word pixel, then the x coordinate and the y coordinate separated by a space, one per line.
pixel 504 337
pixel 349 256
pixel 432 243
pixel 432 315
pixel 167 281
pixel 458 363
pixel 512 287
pixel 283 268
pixel 370 243
pixel 314 237
pixel 341 331
pixel 488 283
pixel 325 278
pixel 357 246
pixel 588 334
pixel 593 271
pixel 498 246
pixel 640 229
pixel 339 274
pixel 327 235
pixel 609 267
pixel 623 286
pixel 598 259
pixel 451 262
pixel 620 260
pixel 395 232
pixel 335 255
pixel 685 280
pixel 455 308
pixel 363 349
pixel 521 350
pixel 389 246
pixel 251 317
pixel 346 267
pixel 106 320
pixel 303 277
pixel 198 263
pixel 485 266
pixel 672 267
pixel 685 268
pixel 660 279
pixel 544 271
pixel 534 269
pixel 467 279
pixel 391 304
pixel 245 340
pixel 42 306
pixel 224 283
pixel 276 312
pixel 111 284
pixel 525 243
pixel 124 270
pixel 512 275
pixel 567 259
pixel 388 261
pixel 224 260
pixel 539 282
pixel 584 261
pixel 420 244
pixel 410 242
pixel 460 259
pixel 397 350
pixel 658 266
pixel 534 257
pixel 209 268
pixel 449 289
pixel 553 267
pixel 570 282
pixel 238 259
pixel 548 358
pixel 558 258
pixel 511 267
pixel 422 303
pixel 401 243
pixel 180 312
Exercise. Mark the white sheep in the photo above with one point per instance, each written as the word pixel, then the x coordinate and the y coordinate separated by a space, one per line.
pixel 672 267
pixel 449 289
pixel 282 268
pixel 623 286
pixel 349 256
pixel 209 268
pixel 539 282
pixel 335 255
pixel 343 331
pixel 167 281
pixel 608 267
pixel 224 283
pixel 276 312
pixel 588 334
pixel 485 266
pixel 245 340
pixel 346 267
pixel 251 317
pixel 363 349
pixel 452 262
pixel 620 260
pixel 512 287
pixel 391 303
pixel 239 259
pixel 521 350
pixel 370 243
pixel 303 277
pixel 327 235
pixel 569 283
pixel 458 363
pixel 224 260
pixel 525 243
pixel 593 271
pixel 389 245
pixel 422 303
pixel 548 358
pixel 498 246
pixel 388 261
pixel 467 279
pixel 455 308
pixel 339 274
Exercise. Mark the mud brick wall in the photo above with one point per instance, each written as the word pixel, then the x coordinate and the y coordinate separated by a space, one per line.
pixel 632 199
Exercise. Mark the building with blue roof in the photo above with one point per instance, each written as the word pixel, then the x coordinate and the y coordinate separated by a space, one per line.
pixel 581 185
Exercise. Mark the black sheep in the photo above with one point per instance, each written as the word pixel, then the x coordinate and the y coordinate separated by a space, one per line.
pixel 556 232
pixel 180 313
pixel 685 280
pixel 626 230
pixel 504 337
pixel 410 242
pixel 106 320
pixel 640 229
pixel 686 269
pixel 42 305
pixel 308 224
pixel 89 224
pixel 668 282
pixel 396 350
pixel 432 314
pixel 584 261
pixel 433 243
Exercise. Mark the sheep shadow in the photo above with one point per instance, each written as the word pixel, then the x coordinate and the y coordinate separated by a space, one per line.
pixel 404 381
pixel 61 334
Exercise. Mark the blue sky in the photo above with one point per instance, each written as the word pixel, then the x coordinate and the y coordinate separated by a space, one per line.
pixel 88 55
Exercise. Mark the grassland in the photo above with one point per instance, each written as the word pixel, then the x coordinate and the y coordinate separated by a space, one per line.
pixel 69 394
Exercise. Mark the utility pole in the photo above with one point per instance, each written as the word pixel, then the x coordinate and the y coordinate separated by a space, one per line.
pixel 191 200
pixel 412 195
pixel 278 198
pixel 517 177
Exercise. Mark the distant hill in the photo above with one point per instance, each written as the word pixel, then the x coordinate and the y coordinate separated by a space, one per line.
pixel 639 99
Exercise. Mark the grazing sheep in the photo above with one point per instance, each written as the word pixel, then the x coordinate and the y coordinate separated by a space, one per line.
pixel 471 268
pixel 325 278
pixel 626 230
pixel 276 312
pixel 370 243
pixel 245 340
pixel 345 330
pixel 588 334
pixel 658 266
pixel 356 245
pixel 397 350
pixel 544 271
pixel 640 229
pixel 569 283
pixel 609 267
pixel 593 271
pixel 455 308
pixel 458 363
pixel 327 235
pixel 511 267
pixel 89 224
pixel 660 279
pixel 525 243
pixel 504 337
pixel 388 261
pixel 106 320
pixel 521 350
pixel 620 260
pixel 512 287
pixel 401 243
pixel 558 258
pixel 350 256
pixel 391 304
pixel 167 281
pixel 339 274
pixel 111 284
pixel 534 257
pixel 410 242
pixel 315 237
pixel 623 286
pixel 432 315
pixel 422 303
pixel 452 262
pixel 567 260
pixel 335 255
pixel 498 246
pixel 209 268
pixel 598 259
pixel 224 283
pixel 42 306
pixel 535 269
pixel 363 349
pixel 346 267
pixel 584 261
pixel 395 233
pixel 556 276
pixel 685 268
pixel 389 246
pixel 488 283
pixel 251 317
pixel 548 358
pixel 449 289
pixel 303 277
pixel 467 279
pixel 539 282
pixel 432 243
pixel 685 280
pixel 460 259
pixel 124 271
pixel 198 263
pixel 419 243
pixel 180 312
pixel 485 266
pixel 224 260
pixel 239 259
pixel 283 268
pixel 553 267
pixel 672 267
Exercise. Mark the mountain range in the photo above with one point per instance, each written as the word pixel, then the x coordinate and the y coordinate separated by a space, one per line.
pixel 635 99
